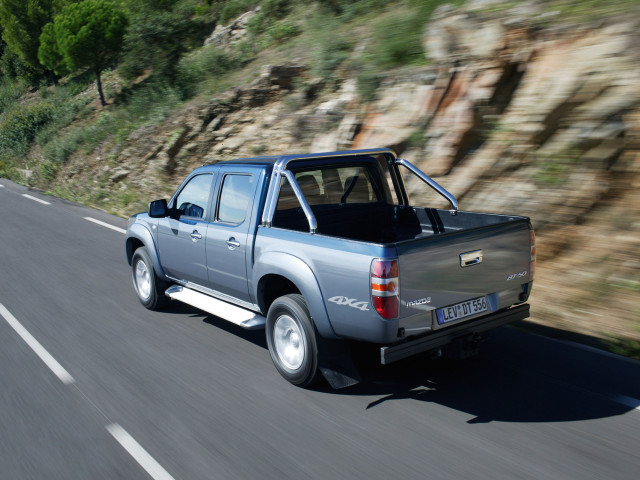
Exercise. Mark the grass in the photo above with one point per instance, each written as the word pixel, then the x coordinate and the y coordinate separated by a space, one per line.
pixel 591 10
pixel 627 347
pixel 10 91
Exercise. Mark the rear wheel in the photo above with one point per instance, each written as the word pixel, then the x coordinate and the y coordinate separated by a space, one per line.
pixel 149 287
pixel 291 338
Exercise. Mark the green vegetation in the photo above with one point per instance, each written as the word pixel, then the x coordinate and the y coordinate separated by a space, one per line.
pixel 19 126
pixel 22 22
pixel 87 35
pixel 628 347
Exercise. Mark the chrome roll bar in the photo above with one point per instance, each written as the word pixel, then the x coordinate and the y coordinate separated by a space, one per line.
pixel 429 181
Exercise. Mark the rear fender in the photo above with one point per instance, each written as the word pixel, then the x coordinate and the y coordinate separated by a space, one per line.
pixel 136 234
pixel 301 275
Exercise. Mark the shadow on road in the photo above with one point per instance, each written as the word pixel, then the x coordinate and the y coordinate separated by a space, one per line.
pixel 517 377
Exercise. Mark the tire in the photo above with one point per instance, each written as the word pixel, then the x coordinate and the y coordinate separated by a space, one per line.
pixel 291 338
pixel 149 288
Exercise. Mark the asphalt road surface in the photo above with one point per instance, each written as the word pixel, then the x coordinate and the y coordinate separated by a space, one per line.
pixel 94 386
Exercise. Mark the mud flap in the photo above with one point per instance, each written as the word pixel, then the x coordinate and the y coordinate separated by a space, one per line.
pixel 336 364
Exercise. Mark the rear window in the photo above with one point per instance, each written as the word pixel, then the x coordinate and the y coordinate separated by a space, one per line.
pixel 338 184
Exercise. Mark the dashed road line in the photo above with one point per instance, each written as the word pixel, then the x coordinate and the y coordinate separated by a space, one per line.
pixel 35 199
pixel 39 350
pixel 107 225
pixel 138 453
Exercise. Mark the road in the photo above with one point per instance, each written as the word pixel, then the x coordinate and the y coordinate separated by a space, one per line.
pixel 94 386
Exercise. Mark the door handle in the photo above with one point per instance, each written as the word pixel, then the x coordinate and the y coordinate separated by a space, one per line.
pixel 232 243
pixel 471 258
pixel 195 235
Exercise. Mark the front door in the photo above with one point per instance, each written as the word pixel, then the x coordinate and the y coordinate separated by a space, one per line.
pixel 181 240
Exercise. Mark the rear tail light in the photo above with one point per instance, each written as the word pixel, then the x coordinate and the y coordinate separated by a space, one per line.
pixel 385 289
pixel 532 242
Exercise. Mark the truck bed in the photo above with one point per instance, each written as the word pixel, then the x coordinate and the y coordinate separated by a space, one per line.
pixel 385 224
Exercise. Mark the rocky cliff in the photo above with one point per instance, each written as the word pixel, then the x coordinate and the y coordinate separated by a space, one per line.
pixel 516 113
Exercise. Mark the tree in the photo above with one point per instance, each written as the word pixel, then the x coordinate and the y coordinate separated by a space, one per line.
pixel 23 21
pixel 48 53
pixel 88 34
pixel 161 31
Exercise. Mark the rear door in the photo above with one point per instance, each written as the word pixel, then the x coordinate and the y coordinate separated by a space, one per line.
pixel 229 236
pixel 450 278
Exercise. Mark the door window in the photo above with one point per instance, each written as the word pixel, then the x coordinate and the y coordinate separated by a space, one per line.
pixel 234 198
pixel 193 200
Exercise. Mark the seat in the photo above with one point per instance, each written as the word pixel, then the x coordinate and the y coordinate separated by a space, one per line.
pixel 356 190
pixel 287 198
pixel 309 185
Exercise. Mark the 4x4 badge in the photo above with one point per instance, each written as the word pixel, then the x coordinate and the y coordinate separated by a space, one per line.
pixel 350 302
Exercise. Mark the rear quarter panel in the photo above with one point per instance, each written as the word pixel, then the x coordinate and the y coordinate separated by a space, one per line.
pixel 339 296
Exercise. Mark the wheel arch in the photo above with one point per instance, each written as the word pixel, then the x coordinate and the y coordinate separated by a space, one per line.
pixel 281 273
pixel 138 236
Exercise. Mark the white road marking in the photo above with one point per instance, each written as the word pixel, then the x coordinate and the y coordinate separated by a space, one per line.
pixel 35 199
pixel 104 224
pixel 628 401
pixel 138 453
pixel 1 186
pixel 39 350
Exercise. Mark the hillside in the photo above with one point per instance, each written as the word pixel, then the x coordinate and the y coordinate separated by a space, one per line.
pixel 530 108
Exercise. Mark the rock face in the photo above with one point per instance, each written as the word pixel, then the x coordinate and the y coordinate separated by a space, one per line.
pixel 225 35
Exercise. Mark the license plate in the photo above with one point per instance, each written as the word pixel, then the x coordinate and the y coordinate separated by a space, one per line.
pixel 461 310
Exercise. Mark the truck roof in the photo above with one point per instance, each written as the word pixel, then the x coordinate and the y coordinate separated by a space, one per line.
pixel 284 159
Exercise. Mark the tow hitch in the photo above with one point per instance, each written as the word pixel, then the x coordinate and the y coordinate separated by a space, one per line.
pixel 464 347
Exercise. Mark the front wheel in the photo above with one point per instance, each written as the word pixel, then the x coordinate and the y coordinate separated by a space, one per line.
pixel 292 342
pixel 147 284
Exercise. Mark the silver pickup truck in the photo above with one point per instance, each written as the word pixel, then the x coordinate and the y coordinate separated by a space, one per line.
pixel 323 249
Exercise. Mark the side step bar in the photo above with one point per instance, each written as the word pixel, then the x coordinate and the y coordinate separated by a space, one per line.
pixel 238 315
pixel 406 348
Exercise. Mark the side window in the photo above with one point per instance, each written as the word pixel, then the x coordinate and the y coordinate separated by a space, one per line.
pixel 193 200
pixel 235 198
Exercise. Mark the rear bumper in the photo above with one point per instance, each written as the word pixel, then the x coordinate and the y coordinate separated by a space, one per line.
pixel 413 346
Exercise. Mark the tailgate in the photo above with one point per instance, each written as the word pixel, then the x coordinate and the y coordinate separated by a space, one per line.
pixel 450 278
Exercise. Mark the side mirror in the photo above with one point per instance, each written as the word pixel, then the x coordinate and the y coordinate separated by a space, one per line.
pixel 158 209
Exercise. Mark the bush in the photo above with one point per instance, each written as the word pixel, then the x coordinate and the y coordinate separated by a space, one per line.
pixel 198 68
pixel 149 104
pixel 398 41
pixel 20 125
pixel 349 9
pixel 367 83
pixel 67 107
pixel 331 52
pixel 47 170
pixel 9 93
pixel 282 31
pixel 234 8
pixel 276 8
